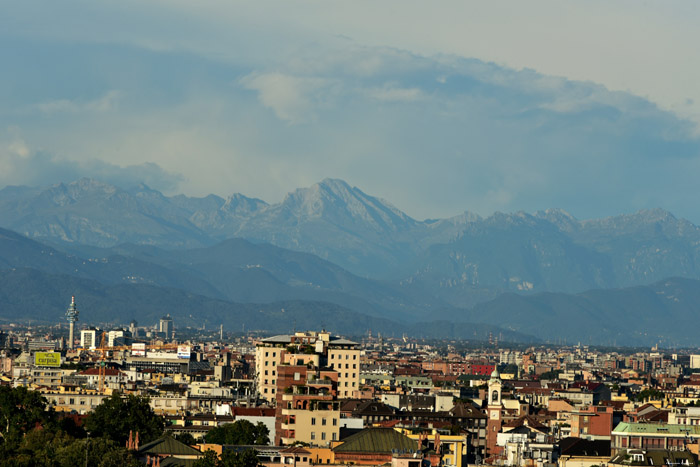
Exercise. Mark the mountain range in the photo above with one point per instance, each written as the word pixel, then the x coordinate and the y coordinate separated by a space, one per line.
pixel 331 243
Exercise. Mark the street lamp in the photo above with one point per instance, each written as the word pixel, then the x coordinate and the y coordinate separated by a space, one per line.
pixel 87 446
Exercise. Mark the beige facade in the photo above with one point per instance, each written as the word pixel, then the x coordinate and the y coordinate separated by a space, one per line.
pixel 316 427
pixel 268 356
pixel 346 361
pixel 319 349
pixel 81 401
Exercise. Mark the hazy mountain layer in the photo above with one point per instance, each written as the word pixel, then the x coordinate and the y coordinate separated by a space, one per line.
pixel 459 261
pixel 667 312
pixel 232 270
pixel 31 294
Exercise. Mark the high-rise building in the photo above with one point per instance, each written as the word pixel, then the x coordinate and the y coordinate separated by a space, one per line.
pixel 166 326
pixel 88 338
pixel 319 349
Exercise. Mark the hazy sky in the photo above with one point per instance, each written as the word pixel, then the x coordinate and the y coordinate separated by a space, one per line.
pixel 438 107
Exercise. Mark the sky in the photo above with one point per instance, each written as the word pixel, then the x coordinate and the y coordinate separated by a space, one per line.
pixel 440 108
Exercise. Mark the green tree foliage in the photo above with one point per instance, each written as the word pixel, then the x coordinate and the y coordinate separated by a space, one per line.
pixel 650 393
pixel 116 416
pixel 31 435
pixel 209 459
pixel 21 410
pixel 229 458
pixel 550 375
pixel 44 447
pixel 239 432
pixel 100 452
pixel 247 458
pixel 185 438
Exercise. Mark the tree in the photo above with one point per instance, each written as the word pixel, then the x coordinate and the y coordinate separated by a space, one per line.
pixel 116 416
pixel 101 452
pixel 650 393
pixel 185 438
pixel 239 432
pixel 37 448
pixel 20 411
pixel 209 459
pixel 247 458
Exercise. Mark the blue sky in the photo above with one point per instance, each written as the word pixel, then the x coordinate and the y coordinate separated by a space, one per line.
pixel 489 106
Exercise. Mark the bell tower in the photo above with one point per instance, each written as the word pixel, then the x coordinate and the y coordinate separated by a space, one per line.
pixel 495 413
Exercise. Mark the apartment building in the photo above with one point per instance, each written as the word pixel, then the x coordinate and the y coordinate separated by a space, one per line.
pixel 317 349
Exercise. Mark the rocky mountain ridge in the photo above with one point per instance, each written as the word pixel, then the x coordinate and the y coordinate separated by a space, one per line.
pixel 461 260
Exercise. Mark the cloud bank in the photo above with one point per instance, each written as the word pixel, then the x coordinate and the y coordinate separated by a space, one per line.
pixel 262 114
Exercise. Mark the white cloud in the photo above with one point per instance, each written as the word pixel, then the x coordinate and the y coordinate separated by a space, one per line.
pixel 394 93
pixel 104 103
pixel 292 98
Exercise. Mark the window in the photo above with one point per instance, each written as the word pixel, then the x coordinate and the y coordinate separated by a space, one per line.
pixel 265 372
pixel 334 436
pixel 297 376
pixel 354 357
pixel 323 436
pixel 335 422
pixel 323 421
pixel 313 434
pixel 313 420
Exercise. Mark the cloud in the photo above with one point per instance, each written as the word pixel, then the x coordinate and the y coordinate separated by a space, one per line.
pixel 434 134
pixel 21 165
pixel 292 98
pixel 103 103
pixel 393 93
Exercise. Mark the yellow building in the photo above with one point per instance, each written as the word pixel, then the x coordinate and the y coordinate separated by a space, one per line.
pixel 320 349
pixel 453 448
pixel 317 425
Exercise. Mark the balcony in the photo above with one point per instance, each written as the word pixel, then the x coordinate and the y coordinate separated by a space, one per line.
pixel 320 382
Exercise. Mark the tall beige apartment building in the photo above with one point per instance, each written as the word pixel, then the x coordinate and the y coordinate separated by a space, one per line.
pixel 319 349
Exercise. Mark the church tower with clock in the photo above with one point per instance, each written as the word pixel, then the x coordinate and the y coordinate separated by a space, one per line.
pixel 495 413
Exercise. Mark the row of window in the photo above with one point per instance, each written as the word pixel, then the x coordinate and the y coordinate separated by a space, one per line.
pixel 323 436
pixel 340 365
pixel 347 356
pixel 323 421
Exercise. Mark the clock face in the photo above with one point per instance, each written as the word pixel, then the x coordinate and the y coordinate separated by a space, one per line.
pixel 494 414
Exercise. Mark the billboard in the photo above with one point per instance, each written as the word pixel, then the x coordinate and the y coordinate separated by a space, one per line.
pixel 47 359
pixel 138 349
pixel 183 351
